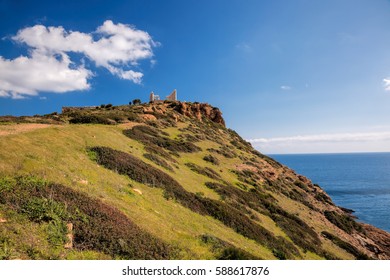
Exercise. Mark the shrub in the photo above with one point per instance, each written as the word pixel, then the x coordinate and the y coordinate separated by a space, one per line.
pixel 323 198
pixel 97 226
pixel 142 172
pixel 342 221
pixel 247 176
pixel 301 185
pixel 238 142
pixel 5 250
pixel 132 117
pixel 154 149
pixel 279 254
pixel 225 151
pixel 152 136
pixel 295 228
pixel 90 119
pixel 345 245
pixel 233 253
pixel 206 171
pixel 159 161
pixel 211 159
pixel 191 137
pixel 136 101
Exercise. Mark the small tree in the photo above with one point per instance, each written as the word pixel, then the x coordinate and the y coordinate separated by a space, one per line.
pixel 136 101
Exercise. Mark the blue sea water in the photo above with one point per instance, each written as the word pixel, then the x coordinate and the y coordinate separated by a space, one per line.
pixel 358 181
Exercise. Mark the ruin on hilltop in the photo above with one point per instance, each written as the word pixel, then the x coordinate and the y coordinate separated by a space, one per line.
pixel 154 98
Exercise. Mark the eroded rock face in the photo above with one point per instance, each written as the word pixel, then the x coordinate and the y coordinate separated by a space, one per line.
pixel 200 111
pixel 380 242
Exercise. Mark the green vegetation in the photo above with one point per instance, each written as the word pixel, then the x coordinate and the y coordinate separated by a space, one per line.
pixel 247 176
pixel 150 136
pixel 91 119
pixel 139 171
pixel 346 246
pixel 224 250
pixel 173 185
pixel 212 159
pixel 225 151
pixel 97 226
pixel 206 171
pixel 343 221
pixel 159 161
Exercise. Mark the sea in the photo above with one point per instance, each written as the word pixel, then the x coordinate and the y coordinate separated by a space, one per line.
pixel 357 181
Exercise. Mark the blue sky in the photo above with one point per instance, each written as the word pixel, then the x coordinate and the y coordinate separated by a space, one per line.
pixel 290 76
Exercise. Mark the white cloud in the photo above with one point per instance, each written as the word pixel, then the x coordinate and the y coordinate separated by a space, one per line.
pixel 26 76
pixel 337 142
pixel 285 88
pixel 116 47
pixel 338 137
pixel 386 84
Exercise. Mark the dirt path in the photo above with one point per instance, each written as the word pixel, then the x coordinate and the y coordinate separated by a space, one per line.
pixel 20 128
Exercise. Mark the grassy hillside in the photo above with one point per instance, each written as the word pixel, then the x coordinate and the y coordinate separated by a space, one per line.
pixel 165 181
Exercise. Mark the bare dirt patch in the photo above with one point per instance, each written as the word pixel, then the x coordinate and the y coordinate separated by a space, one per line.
pixel 20 128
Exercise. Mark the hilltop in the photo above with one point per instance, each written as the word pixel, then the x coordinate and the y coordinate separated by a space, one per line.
pixel 161 181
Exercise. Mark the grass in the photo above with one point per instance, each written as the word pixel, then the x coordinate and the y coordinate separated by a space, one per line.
pixel 97 226
pixel 60 154
pixel 343 221
pixel 141 172
pixel 346 246
pixel 153 136
pixel 63 150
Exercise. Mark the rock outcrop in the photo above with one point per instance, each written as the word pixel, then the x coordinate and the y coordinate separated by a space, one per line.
pixel 200 111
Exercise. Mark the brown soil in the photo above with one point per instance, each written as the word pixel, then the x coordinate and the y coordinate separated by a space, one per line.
pixel 20 128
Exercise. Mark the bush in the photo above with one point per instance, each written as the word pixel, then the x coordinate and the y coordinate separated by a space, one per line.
pixel 97 226
pixel 346 246
pixel 247 176
pixel 295 228
pixel 206 171
pixel 152 136
pixel 211 159
pixel 82 119
pixel 159 161
pixel 132 117
pixel 225 151
pixel 342 221
pixel 136 101
pixel 142 172
pixel 323 198
pixel 301 185
pixel 154 149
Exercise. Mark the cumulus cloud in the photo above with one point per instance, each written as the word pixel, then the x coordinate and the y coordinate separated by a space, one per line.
pixel 285 87
pixel 116 47
pixel 40 72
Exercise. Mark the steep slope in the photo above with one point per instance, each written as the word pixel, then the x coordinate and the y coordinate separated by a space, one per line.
pixel 165 180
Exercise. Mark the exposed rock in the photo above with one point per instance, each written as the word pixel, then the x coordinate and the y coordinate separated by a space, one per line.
pixel 200 111
pixel 148 117
pixel 381 238
pixel 138 191
pixel 148 110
